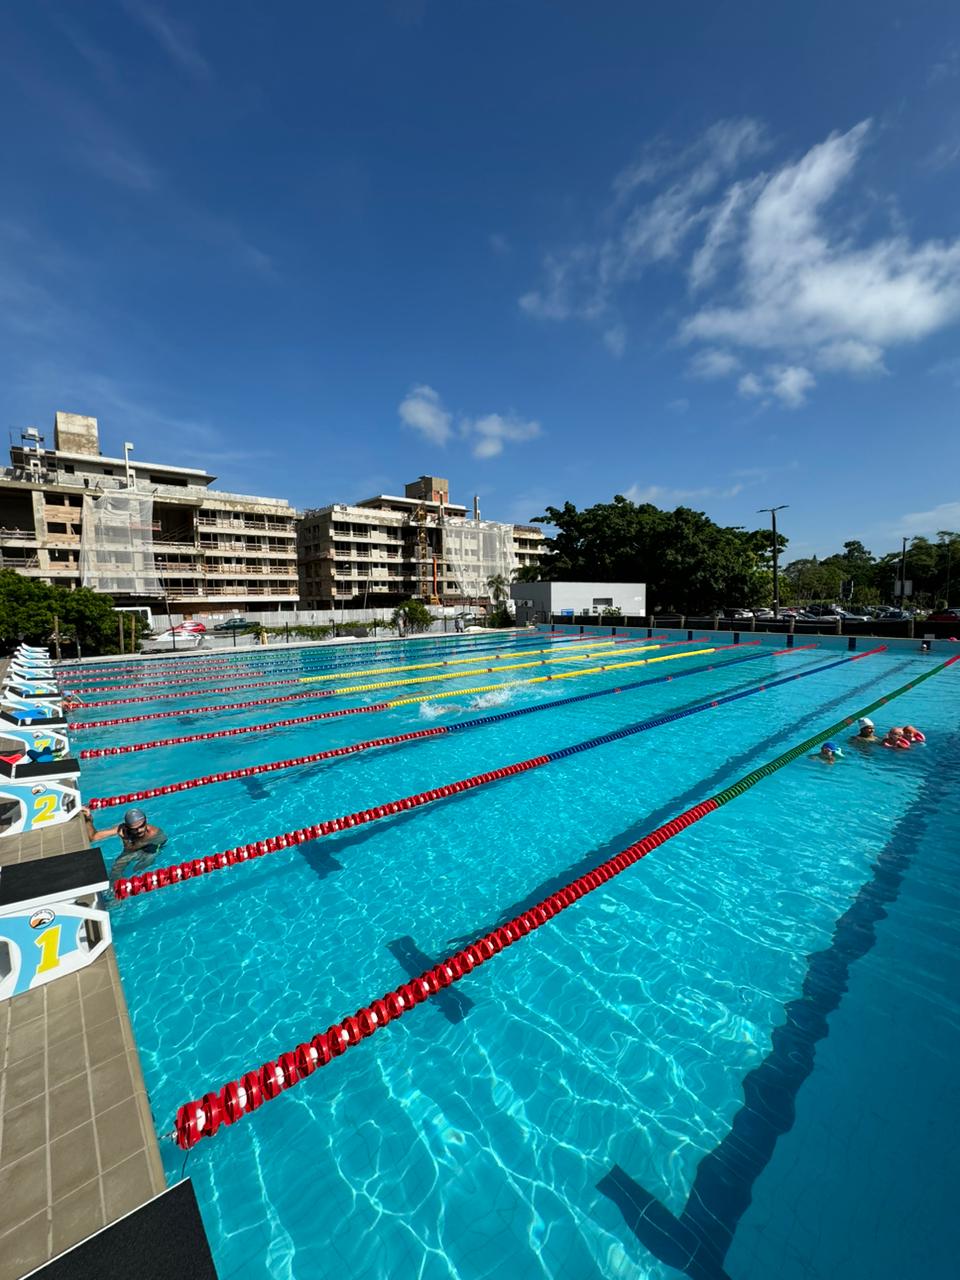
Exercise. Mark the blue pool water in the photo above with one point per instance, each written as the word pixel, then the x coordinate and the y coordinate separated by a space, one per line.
pixel 563 1111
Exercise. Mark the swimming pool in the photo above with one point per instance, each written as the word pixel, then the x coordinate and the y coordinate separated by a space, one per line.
pixel 563 1111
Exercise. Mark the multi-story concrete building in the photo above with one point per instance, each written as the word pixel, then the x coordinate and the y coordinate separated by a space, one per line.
pixel 146 532
pixel 389 548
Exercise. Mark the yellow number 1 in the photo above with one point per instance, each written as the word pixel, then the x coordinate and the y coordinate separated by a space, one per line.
pixel 49 944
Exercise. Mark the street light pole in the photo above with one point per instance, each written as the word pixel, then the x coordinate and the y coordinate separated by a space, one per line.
pixel 903 575
pixel 776 555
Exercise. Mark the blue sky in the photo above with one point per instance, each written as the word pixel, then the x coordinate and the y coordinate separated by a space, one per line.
pixel 706 253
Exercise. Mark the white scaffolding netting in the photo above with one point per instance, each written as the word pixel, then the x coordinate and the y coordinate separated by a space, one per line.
pixel 116 544
pixel 476 551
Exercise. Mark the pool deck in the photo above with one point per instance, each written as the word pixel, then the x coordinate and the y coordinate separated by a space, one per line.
pixel 78 1148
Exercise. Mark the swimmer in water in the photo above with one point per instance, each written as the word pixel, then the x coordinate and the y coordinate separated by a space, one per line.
pixel 829 753
pixel 913 734
pixel 895 738
pixel 141 841
pixel 866 733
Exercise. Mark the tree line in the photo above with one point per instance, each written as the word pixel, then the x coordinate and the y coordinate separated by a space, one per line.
pixel 691 565
pixel 31 609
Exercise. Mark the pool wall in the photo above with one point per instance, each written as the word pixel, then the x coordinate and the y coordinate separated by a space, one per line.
pixel 776 639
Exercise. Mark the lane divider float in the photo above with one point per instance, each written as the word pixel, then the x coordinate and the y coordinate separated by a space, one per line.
pixel 96 753
pixel 203 1117
pixel 367 687
pixel 230 775
pixel 164 877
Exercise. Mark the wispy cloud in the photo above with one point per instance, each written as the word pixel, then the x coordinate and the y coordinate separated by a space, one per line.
pixel 659 494
pixel 713 363
pixel 583 280
pixel 778 266
pixel 929 523
pixel 680 405
pixel 173 37
pixel 422 409
pixel 615 339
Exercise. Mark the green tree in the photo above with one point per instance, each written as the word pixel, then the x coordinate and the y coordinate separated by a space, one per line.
pixel 689 564
pixel 499 588
pixel 412 616
pixel 28 608
pixel 527 573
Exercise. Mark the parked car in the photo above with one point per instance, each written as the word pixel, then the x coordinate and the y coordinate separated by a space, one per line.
pixel 738 614
pixel 235 624
pixel 191 627
pixel 944 615
pixel 894 615
pixel 765 614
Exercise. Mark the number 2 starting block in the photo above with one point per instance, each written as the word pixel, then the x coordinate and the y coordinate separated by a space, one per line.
pixel 33 795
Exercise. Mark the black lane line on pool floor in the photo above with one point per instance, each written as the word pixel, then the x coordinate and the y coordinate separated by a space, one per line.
pixel 697 1242
pixel 649 822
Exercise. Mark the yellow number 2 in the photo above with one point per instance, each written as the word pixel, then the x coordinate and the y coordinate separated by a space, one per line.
pixel 49 944
pixel 44 808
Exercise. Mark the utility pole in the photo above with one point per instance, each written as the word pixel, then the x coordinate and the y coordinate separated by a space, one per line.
pixel 903 575
pixel 776 554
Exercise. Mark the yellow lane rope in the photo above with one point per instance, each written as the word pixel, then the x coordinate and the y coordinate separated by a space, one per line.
pixel 587 652
pixel 560 675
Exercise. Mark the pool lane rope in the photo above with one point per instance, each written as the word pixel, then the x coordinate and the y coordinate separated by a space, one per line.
pixel 367 687
pixel 250 771
pixel 595 649
pixel 277 657
pixel 96 753
pixel 203 1117
pixel 165 877
pixel 114 685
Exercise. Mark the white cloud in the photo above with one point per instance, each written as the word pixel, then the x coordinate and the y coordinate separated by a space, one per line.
pixel 494 430
pixel 783 267
pixel 423 410
pixel 801 291
pixel 929 523
pixel 581 281
pixel 713 363
pixel 787 383
pixel 790 383
pixel 615 340
pixel 658 494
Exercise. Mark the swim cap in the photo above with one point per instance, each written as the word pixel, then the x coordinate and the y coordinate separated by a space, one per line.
pixel 831 746
pixel 134 818
pixel 865 722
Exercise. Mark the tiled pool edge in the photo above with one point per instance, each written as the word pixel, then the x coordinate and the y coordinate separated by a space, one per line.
pixel 78 1148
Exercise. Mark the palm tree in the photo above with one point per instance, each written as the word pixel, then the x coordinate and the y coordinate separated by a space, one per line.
pixel 499 588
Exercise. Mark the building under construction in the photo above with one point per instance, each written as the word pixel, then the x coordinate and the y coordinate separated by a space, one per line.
pixel 422 546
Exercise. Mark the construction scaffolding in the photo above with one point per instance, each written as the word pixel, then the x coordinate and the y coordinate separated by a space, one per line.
pixel 116 544
pixel 475 552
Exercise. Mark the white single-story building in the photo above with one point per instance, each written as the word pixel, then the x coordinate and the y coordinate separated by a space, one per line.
pixel 539 601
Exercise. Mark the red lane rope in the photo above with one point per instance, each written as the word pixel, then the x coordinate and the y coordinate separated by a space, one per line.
pixel 203 1117
pixel 267 684
pixel 97 753
pixel 163 877
pixel 192 665
pixel 249 771
pixel 288 697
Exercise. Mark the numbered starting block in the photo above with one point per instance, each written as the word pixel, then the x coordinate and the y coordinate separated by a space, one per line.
pixel 22 688
pixel 35 713
pixel 36 739
pixel 52 919
pixel 34 795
